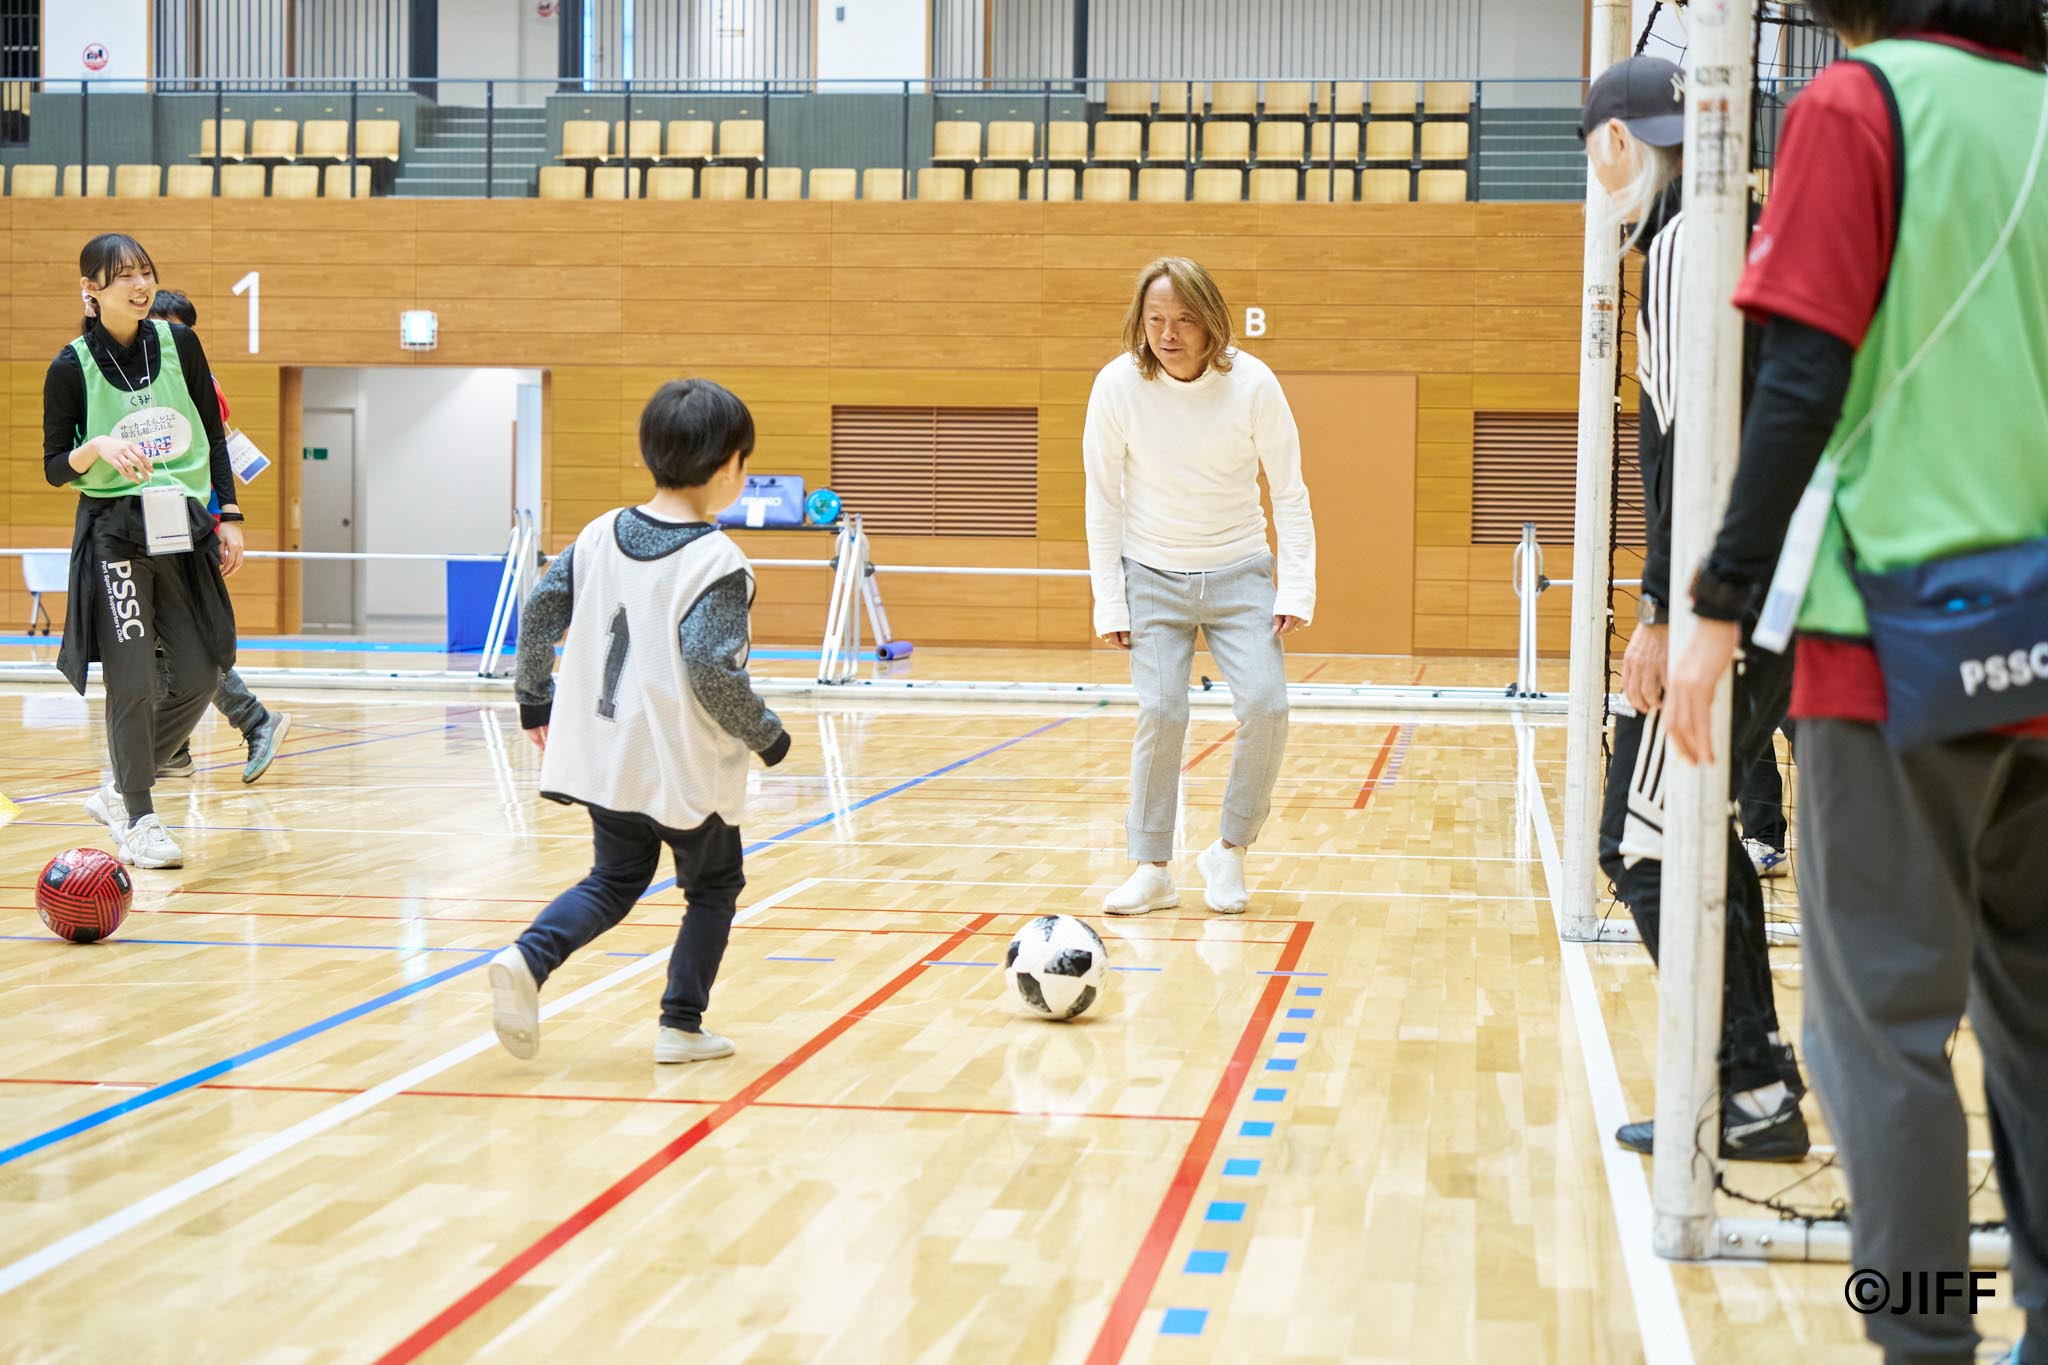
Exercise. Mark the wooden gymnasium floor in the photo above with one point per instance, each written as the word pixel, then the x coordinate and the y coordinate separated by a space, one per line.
pixel 1365 1122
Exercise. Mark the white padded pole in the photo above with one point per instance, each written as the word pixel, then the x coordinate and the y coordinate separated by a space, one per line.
pixel 1592 523
pixel 1695 907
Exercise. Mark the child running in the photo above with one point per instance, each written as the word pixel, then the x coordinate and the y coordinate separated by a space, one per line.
pixel 653 718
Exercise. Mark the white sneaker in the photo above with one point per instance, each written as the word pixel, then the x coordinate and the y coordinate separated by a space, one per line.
pixel 674 1045
pixel 1769 862
pixel 107 807
pixel 1148 888
pixel 1223 869
pixel 146 843
pixel 515 1004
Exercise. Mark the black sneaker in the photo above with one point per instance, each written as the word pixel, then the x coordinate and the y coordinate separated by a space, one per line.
pixel 178 764
pixel 1775 1137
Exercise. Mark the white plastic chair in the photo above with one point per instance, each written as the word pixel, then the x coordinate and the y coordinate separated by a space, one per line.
pixel 44 571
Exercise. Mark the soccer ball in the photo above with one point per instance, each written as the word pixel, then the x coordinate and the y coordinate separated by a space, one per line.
pixel 83 895
pixel 1058 964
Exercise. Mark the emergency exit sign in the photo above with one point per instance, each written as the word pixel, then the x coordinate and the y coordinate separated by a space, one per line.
pixel 313 453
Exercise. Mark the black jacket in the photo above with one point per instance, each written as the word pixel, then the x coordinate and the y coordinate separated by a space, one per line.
pixel 111 528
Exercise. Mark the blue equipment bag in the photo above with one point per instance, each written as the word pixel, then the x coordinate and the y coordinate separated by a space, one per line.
pixel 770 501
pixel 1963 642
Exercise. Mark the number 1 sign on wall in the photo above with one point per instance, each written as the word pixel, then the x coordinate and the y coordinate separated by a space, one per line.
pixel 251 285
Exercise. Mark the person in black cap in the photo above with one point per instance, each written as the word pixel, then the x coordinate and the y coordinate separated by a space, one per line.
pixel 1634 129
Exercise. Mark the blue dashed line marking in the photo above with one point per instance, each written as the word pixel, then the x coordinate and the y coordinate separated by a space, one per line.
pixel 1224 1211
pixel 1292 1038
pixel 1268 1094
pixel 1207 1262
pixel 1280 1064
pixel 1303 1013
pixel 1308 990
pixel 1184 1322
pixel 1255 1128
pixel 1241 1166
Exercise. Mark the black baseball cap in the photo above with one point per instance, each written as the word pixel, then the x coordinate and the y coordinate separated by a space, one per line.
pixel 1646 93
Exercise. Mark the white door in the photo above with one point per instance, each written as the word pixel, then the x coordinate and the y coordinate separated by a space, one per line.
pixel 327 510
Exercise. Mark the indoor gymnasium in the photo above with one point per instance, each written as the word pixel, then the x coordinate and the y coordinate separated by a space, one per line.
pixel 1024 680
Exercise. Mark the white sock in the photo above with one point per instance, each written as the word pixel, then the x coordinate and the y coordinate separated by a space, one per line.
pixel 1762 1102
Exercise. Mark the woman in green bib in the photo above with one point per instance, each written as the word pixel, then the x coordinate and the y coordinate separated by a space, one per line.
pixel 131 421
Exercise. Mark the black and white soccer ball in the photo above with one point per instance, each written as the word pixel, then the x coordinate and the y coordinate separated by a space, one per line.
pixel 1058 965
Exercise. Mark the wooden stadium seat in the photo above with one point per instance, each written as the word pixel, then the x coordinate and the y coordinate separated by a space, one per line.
pixel 1446 99
pixel 1287 99
pixel 1275 185
pixel 1393 99
pixel 1390 142
pixel 1227 143
pixel 1012 142
pixel 615 182
pixel 1106 184
pixel 724 184
pixel 743 140
pixel 646 139
pixel 956 143
pixel 1128 99
pixel 1066 142
pixel 274 139
pixel 670 183
pixel 1180 98
pixel 564 182
pixel 34 182
pixel 1060 179
pixel 1118 144
pixel 585 139
pixel 189 182
pixel 139 182
pixel 1319 136
pixel 1441 187
pixel 998 184
pixel 1281 143
pixel 1319 186
pixel 340 184
pixel 881 182
pixel 1384 187
pixel 243 182
pixel 1166 142
pixel 87 182
pixel 377 139
pixel 836 183
pixel 1234 99
pixel 234 139
pixel 324 139
pixel 785 182
pixel 1446 141
pixel 942 184
pixel 1217 185
pixel 1162 185
pixel 1345 99
pixel 689 140
pixel 295 182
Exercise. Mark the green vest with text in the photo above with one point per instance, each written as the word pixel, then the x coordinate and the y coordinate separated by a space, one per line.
pixel 159 417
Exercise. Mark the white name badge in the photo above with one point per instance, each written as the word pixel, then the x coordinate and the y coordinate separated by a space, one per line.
pixel 166 525
pixel 163 434
pixel 244 458
pixel 1795 563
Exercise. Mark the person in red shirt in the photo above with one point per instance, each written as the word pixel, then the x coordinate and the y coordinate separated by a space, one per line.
pixel 1924 868
pixel 261 728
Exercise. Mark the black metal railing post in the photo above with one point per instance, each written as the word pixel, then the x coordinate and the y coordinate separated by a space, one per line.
pixel 220 129
pixel 490 138
pixel 84 137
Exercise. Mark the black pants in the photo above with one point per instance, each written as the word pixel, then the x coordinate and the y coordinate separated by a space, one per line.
pixel 143 602
pixel 1749 1013
pixel 1763 795
pixel 1926 881
pixel 709 870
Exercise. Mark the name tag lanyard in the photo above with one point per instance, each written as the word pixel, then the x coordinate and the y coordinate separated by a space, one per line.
pixel 1809 522
pixel 166 526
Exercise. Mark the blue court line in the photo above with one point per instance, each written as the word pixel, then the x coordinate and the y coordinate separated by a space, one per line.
pixel 1301 1014
pixel 1254 1128
pixel 797 959
pixel 1241 1166
pixel 941 962
pixel 1183 1322
pixel 1308 990
pixel 1268 1094
pixel 1290 973
pixel 1290 1038
pixel 1206 1262
pixel 1279 1063
pixel 295 753
pixel 1137 969
pixel 233 943
pixel 1224 1211
pixel 87 1122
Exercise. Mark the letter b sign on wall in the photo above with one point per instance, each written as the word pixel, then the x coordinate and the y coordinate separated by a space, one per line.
pixel 1254 322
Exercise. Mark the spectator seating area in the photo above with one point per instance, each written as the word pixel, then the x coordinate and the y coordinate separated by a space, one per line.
pixel 276 158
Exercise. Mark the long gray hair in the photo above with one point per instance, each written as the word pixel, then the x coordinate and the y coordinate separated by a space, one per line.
pixel 1655 169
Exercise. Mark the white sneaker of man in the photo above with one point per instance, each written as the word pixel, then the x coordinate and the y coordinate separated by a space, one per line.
pixel 1148 888
pixel 146 843
pixel 1223 870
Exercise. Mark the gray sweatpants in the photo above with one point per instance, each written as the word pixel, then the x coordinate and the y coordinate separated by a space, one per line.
pixel 1925 886
pixel 233 699
pixel 1233 610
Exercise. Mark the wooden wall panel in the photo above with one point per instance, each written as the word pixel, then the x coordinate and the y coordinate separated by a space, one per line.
pixel 798 306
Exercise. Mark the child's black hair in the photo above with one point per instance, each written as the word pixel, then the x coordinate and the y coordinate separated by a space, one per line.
pixel 174 307
pixel 691 427
pixel 2009 25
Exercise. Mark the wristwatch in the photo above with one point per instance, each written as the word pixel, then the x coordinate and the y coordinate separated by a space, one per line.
pixel 1651 612
pixel 1718 599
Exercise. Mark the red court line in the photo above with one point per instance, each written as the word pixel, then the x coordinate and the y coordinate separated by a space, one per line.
pixel 1129 1304
pixel 1313 671
pixel 516 1269
pixel 1210 750
pixel 1379 765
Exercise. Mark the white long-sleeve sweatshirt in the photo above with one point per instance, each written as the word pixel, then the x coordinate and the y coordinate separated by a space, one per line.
pixel 1173 480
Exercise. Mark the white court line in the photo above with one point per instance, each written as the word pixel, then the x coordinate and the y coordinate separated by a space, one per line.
pixel 69 1248
pixel 1363 895
pixel 1659 1318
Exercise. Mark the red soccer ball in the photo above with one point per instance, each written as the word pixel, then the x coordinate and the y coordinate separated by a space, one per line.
pixel 84 894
